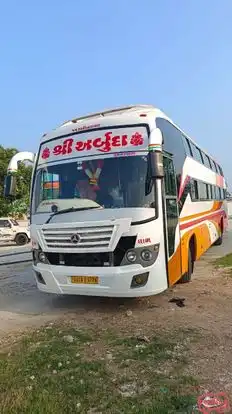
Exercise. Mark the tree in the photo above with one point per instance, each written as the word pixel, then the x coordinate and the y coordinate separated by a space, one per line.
pixel 20 204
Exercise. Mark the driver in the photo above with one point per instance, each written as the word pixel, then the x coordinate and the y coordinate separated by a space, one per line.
pixel 85 190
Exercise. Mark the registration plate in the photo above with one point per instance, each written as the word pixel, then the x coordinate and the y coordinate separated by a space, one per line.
pixel 85 280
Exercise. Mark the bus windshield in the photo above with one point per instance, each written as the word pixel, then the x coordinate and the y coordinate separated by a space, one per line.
pixel 108 182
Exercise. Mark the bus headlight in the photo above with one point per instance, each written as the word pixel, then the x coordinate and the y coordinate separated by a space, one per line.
pixel 39 256
pixel 146 255
pixel 131 256
pixel 42 257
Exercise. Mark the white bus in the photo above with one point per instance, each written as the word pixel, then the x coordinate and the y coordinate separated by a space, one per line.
pixel 122 204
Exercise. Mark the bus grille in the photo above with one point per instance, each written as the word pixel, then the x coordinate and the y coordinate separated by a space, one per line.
pixel 78 238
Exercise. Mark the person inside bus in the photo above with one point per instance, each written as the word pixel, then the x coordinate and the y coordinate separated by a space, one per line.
pixel 104 198
pixel 85 190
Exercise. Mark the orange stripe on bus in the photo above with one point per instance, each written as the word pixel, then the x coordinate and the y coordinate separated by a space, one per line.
pixel 178 263
pixel 174 267
pixel 216 206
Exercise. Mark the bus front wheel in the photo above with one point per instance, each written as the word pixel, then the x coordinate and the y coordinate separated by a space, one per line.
pixel 219 241
pixel 186 278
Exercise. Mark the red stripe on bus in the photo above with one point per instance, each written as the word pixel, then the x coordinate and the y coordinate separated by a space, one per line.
pixel 197 221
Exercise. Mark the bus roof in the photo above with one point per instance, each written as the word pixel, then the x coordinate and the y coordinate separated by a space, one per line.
pixel 108 117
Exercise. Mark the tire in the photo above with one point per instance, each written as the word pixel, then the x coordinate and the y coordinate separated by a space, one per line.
pixel 186 278
pixel 219 241
pixel 21 239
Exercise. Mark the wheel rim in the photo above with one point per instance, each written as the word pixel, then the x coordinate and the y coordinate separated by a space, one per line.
pixel 22 239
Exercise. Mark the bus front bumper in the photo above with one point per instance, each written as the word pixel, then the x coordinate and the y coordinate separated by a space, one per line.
pixel 112 281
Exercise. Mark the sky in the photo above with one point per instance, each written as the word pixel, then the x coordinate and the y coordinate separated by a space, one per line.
pixel 62 59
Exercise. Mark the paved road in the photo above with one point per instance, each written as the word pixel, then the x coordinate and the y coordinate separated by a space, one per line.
pixel 14 255
pixel 18 292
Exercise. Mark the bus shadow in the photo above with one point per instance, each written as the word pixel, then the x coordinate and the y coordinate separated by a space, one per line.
pixel 19 294
pixel 98 304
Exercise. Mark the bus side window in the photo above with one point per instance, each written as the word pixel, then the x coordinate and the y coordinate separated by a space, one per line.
pixel 217 193
pixel 208 190
pixel 209 161
pixel 197 155
pixel 173 144
pixel 194 190
pixel 187 146
pixel 215 167
pixel 206 160
pixel 203 193
pixel 220 193
pixel 220 170
pixel 211 192
pixel 169 177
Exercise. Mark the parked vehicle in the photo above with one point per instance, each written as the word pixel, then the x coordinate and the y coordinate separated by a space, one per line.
pixel 123 203
pixel 11 231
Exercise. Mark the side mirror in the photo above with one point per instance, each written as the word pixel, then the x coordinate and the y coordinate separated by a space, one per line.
pixel 10 186
pixel 155 153
pixel 156 162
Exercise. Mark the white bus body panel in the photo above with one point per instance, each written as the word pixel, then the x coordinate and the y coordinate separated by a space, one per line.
pixel 114 281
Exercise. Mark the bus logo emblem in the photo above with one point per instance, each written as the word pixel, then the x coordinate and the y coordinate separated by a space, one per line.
pixel 75 238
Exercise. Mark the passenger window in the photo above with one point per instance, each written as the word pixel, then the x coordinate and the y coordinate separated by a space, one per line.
pixel 203 191
pixel 220 194
pixel 211 192
pixel 215 167
pixel 208 189
pixel 169 177
pixel 194 190
pixel 173 143
pixel 187 146
pixel 217 193
pixel 196 153
pixel 206 160
pixel 220 170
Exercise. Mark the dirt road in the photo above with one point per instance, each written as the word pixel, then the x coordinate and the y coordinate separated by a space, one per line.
pixel 21 304
pixel 206 315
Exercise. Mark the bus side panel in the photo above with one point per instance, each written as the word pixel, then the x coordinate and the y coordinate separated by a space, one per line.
pixel 174 267
pixel 205 229
pixel 200 215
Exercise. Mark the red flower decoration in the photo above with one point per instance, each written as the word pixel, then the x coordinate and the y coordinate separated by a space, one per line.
pixel 45 153
pixel 136 139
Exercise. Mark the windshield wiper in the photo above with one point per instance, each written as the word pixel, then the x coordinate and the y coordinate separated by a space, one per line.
pixel 69 210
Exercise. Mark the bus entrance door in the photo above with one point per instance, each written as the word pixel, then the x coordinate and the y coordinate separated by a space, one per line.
pixel 171 221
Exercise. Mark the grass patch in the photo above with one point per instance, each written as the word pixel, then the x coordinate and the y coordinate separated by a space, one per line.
pixel 66 370
pixel 225 262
